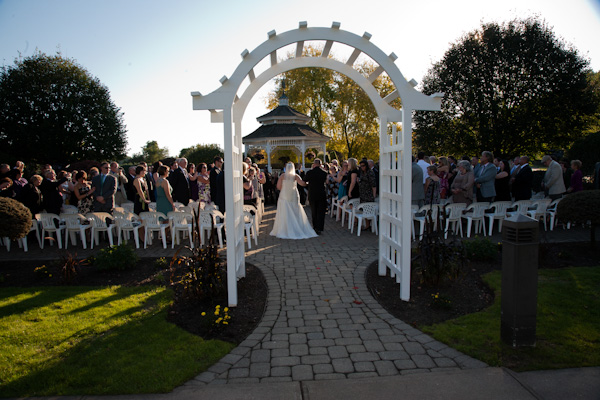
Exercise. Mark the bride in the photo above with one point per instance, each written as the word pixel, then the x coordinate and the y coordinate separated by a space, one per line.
pixel 291 221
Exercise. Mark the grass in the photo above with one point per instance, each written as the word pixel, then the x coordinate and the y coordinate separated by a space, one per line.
pixel 91 340
pixel 568 324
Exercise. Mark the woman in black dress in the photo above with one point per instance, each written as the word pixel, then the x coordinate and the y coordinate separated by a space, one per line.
pixel 502 180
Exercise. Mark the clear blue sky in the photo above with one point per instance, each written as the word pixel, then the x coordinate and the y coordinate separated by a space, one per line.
pixel 152 54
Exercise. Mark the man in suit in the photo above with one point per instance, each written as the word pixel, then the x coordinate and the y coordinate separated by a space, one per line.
pixel 553 182
pixel 522 181
pixel 129 188
pixel 51 197
pixel 375 170
pixel 180 182
pixel 106 187
pixel 485 178
pixel 316 178
pixel 418 190
pixel 217 184
pixel 120 196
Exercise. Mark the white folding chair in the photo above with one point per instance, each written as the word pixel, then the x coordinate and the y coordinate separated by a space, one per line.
pixel 69 209
pixel 205 224
pixel 48 225
pixel 100 223
pixel 477 215
pixel 128 206
pixel 500 208
pixel 520 206
pixel 252 210
pixel 551 211
pixel 75 223
pixel 364 211
pixel 347 209
pixel 454 216
pixel 421 217
pixel 336 207
pixel 152 222
pixel 540 211
pixel 128 223
pixel 180 222
pixel 249 228
pixel 219 224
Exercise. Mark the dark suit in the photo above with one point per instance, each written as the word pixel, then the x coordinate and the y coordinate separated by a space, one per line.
pixel 316 178
pixel 129 188
pixel 217 188
pixel 52 199
pixel 522 184
pixel 106 190
pixel 181 186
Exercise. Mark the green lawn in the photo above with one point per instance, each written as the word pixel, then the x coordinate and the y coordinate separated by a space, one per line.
pixel 568 324
pixel 91 340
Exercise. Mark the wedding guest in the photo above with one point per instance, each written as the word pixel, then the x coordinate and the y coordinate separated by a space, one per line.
pixel 247 186
pixel 443 172
pixel 84 193
pixel 49 187
pixel 502 182
pixel 164 200
pixel 353 191
pixel 203 183
pixel 367 187
pixel 142 198
pixel 552 182
pixel 576 178
pixel 432 186
pixel 217 184
pixel 193 178
pixel 6 188
pixel 462 187
pixel 117 172
pixel 32 196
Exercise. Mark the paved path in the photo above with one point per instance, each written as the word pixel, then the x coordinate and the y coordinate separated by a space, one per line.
pixel 321 321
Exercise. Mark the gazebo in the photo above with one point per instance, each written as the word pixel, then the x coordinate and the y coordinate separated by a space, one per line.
pixel 284 127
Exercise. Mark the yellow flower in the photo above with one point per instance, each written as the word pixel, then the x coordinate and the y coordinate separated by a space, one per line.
pixel 218 306
pixel 225 323
pixel 217 312
pixel 226 309
pixel 203 314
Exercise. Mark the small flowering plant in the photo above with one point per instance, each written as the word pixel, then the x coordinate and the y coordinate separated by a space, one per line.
pixel 440 301
pixel 217 320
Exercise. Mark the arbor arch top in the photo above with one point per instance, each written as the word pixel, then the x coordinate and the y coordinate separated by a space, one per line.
pixel 227 107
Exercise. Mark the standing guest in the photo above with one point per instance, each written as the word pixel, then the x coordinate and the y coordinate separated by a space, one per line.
pixel 462 187
pixel 443 172
pixel 423 164
pixel 4 170
pixel 117 172
pixel 129 189
pixel 553 183
pixel 53 200
pixel 516 166
pixel 418 190
pixel 31 196
pixel 248 188
pixel 432 186
pixel 315 178
pixel 452 174
pixel 203 183
pixel 142 197
pixel 93 172
pixel 193 178
pixel 576 178
pixel 502 182
pixel 64 187
pixel 367 187
pixel 164 200
pixel 522 181
pixel 217 184
pixel 150 182
pixel 6 188
pixel 301 190
pixel 105 187
pixel 332 185
pixel 475 165
pixel 353 191
pixel 19 182
pixel 375 170
pixel 341 179
pixel 84 193
pixel 180 183
pixel 485 181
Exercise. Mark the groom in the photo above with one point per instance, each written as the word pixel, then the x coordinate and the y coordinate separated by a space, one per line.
pixel 316 178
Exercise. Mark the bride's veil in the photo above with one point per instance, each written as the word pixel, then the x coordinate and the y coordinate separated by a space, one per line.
pixel 290 171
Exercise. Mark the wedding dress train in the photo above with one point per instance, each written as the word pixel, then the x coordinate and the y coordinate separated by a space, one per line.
pixel 291 221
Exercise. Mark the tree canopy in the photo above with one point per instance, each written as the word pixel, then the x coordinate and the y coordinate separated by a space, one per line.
pixel 53 111
pixel 151 153
pixel 511 88
pixel 338 107
pixel 202 153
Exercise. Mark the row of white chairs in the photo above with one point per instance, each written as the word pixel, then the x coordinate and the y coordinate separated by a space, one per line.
pixel 476 214
pixel 355 210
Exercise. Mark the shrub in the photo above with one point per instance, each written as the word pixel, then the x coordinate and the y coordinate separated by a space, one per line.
pixel 70 266
pixel 581 207
pixel 120 257
pixel 586 150
pixel 480 249
pixel 15 219
pixel 439 260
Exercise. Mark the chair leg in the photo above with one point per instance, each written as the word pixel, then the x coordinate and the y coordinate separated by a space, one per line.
pixel 491 224
pixel 190 236
pixel 59 239
pixel 7 243
pixel 163 232
pixel 25 246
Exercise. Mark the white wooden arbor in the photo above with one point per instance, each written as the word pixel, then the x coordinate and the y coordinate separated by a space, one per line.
pixel 227 107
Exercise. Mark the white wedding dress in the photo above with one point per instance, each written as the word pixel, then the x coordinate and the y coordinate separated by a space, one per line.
pixel 291 221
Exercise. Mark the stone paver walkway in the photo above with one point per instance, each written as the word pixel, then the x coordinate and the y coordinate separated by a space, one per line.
pixel 321 321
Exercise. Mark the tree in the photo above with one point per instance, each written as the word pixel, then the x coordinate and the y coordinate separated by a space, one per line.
pixel 511 88
pixel 202 153
pixel 586 150
pixel 53 111
pixel 151 153
pixel 338 107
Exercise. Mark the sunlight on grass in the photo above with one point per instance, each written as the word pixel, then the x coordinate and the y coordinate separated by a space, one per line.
pixel 88 340
pixel 568 324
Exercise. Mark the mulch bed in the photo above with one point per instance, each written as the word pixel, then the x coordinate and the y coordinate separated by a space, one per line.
pixel 468 293
pixel 252 292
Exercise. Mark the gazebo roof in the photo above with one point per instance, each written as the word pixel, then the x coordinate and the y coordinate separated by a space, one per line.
pixel 272 131
pixel 281 114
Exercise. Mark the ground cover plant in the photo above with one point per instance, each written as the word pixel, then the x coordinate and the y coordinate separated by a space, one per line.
pixel 465 314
